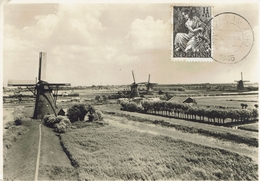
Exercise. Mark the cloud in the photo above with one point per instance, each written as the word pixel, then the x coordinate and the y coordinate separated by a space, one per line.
pixel 149 34
pixel 91 43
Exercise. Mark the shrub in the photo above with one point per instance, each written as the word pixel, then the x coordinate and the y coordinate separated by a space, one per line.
pixel 98 116
pixel 21 121
pixel 124 103
pixel 60 123
pixel 105 97
pixel 18 120
pixel 19 117
pixel 50 120
pixel 61 127
pixel 132 106
pixel 60 118
pixel 77 112
pixel 67 122
pixel 94 115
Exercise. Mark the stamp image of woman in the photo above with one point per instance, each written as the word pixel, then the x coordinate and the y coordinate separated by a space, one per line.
pixel 194 39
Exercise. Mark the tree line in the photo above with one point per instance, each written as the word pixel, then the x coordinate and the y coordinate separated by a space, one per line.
pixel 185 111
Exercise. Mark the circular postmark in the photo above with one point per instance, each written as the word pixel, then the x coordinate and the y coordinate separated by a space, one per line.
pixel 232 37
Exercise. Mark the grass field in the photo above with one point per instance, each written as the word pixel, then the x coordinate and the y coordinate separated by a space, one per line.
pixel 106 152
pixel 250 127
pixel 229 101
pixel 220 132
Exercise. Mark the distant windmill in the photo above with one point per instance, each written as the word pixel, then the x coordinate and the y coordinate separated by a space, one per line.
pixel 45 102
pixel 240 83
pixel 149 85
pixel 134 88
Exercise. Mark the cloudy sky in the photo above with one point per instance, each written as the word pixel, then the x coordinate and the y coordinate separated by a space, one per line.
pixel 93 44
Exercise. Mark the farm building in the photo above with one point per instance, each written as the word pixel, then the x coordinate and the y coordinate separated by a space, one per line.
pixel 188 100
pixel 61 112
pixel 153 99
pixel 121 100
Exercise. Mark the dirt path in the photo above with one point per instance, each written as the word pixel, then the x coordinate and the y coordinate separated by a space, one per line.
pixel 54 163
pixel 39 154
pixel 124 123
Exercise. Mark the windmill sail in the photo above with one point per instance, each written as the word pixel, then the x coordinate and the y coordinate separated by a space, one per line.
pixel 42 66
pixel 133 75
pixel 149 85
pixel 20 83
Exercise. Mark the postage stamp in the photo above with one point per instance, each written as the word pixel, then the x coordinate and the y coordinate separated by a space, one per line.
pixel 192 31
pixel 232 38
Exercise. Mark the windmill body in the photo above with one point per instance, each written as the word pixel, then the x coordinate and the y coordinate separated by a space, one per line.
pixel 134 88
pixel 45 102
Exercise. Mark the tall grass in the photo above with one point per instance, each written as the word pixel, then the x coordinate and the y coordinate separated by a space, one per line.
pixel 251 141
pixel 110 153
pixel 16 127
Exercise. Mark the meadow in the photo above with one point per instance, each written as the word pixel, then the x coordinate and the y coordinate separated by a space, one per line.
pixel 109 153
pixel 99 151
pixel 229 101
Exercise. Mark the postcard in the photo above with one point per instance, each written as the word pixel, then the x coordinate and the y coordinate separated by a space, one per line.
pixel 120 90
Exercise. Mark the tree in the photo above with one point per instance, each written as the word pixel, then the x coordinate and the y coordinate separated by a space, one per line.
pixel 223 114
pixel 98 98
pixel 201 113
pixel 168 107
pixel 104 97
pixel 233 115
pixel 254 114
pixel 243 105
pixel 160 92
pixel 157 106
pixel 212 114
pixel 256 106
pixel 147 106
pixel 131 106
pixel 244 114
pixel 124 104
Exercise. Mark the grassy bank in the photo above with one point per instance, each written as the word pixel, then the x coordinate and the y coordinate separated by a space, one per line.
pixel 229 136
pixel 14 132
pixel 249 127
pixel 106 152
pixel 20 158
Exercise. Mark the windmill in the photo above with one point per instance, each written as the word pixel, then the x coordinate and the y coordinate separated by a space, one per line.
pixel 149 85
pixel 45 102
pixel 134 88
pixel 240 83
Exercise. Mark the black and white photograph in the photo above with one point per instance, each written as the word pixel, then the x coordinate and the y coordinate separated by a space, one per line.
pixel 120 90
